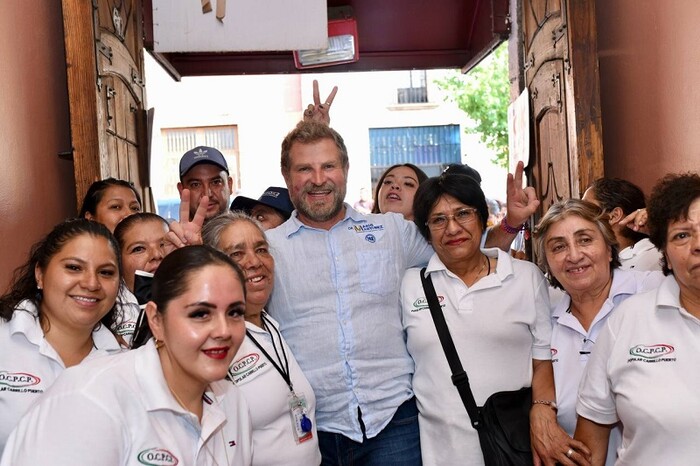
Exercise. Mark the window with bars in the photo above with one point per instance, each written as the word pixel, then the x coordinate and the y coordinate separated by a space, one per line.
pixel 415 90
pixel 431 148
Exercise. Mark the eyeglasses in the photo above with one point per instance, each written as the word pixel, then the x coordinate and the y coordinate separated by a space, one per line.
pixel 463 217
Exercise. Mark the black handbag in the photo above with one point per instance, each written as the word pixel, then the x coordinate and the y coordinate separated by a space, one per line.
pixel 503 423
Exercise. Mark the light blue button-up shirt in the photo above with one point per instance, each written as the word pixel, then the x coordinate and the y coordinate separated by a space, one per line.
pixel 336 297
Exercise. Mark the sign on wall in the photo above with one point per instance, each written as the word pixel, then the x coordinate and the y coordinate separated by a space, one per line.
pixel 248 25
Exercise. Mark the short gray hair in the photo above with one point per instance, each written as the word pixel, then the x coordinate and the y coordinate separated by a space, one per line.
pixel 214 228
pixel 563 209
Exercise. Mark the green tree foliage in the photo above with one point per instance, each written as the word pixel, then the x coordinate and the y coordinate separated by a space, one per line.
pixel 484 94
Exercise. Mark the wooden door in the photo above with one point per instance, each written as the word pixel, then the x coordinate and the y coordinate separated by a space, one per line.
pixel 561 72
pixel 104 58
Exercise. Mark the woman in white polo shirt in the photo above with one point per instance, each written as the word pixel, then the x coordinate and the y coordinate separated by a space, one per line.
pixel 164 403
pixel 497 311
pixel 619 198
pixel 643 371
pixel 56 314
pixel 578 250
pixel 282 402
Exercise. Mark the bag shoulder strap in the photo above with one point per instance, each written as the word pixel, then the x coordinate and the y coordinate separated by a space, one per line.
pixel 459 377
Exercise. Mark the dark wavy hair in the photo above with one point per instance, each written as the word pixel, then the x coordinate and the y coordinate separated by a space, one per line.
pixel 616 192
pixel 24 284
pixel 420 176
pixel 96 192
pixel 669 202
pixel 173 276
pixel 462 187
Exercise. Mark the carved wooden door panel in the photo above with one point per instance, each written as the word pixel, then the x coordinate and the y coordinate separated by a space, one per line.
pixel 561 73
pixel 104 57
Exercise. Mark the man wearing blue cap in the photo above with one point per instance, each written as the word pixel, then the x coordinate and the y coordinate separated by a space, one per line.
pixel 271 209
pixel 204 172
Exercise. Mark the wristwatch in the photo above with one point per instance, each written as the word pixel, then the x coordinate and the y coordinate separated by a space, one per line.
pixel 551 403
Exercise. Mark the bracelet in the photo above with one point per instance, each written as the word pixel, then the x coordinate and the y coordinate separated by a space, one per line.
pixel 551 403
pixel 509 229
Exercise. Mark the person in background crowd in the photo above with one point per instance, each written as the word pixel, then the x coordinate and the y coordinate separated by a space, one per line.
pixel 109 201
pixel 463 169
pixel 56 314
pixel 618 199
pixel 643 369
pixel 396 188
pixel 162 403
pixel 497 311
pixel 494 212
pixel 578 250
pixel 204 173
pixel 365 204
pixel 265 369
pixel 271 209
pixel 360 370
pixel 143 245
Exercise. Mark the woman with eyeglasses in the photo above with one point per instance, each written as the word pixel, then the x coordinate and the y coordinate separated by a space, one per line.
pixel 497 312
pixel 578 251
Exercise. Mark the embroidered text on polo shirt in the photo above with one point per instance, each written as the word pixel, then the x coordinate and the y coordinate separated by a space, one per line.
pixel 651 353
pixel 157 457
pixel 18 382
pixel 246 366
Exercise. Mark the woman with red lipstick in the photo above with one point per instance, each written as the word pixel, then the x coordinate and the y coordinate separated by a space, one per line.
pixel 497 312
pixel 282 402
pixel 578 251
pixel 643 372
pixel 396 188
pixel 56 314
pixel 162 403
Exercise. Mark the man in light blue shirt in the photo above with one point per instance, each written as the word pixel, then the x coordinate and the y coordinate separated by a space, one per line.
pixel 336 297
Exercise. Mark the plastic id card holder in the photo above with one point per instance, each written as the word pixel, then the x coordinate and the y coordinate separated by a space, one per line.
pixel 301 424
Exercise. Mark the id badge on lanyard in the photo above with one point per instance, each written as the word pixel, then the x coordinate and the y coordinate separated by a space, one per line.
pixel 301 424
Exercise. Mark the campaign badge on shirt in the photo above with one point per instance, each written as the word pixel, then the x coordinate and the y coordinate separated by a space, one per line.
pixel 301 424
pixel 369 232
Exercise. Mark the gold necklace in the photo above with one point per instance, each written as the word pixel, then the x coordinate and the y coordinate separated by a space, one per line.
pixel 177 398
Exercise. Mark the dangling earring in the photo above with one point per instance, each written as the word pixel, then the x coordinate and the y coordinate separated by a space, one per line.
pixel 159 343
pixel 39 293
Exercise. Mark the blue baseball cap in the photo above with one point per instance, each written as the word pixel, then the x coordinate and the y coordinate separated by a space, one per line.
pixel 202 154
pixel 277 198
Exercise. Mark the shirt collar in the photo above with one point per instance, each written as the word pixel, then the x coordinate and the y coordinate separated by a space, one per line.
pixel 624 282
pixel 641 246
pixel 504 266
pixel 25 321
pixel 294 225
pixel 669 293
pixel 157 395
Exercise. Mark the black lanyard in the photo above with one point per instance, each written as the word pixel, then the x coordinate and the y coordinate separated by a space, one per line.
pixel 283 366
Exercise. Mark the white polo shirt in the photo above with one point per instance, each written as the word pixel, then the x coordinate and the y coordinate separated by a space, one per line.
pixel 29 364
pixel 119 411
pixel 571 344
pixel 129 310
pixel 267 394
pixel 644 371
pixel 499 325
pixel 642 255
